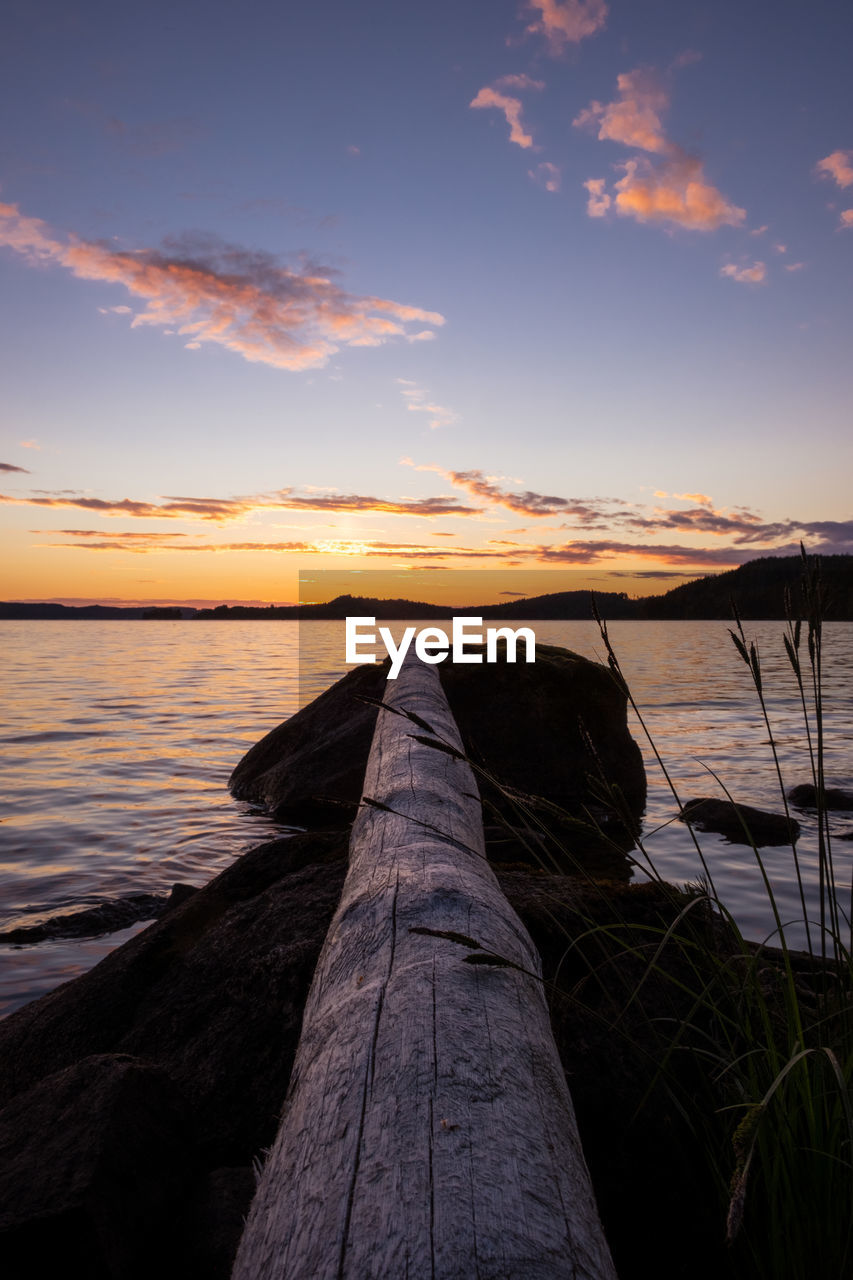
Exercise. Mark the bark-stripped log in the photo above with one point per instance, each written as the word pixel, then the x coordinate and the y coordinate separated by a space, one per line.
pixel 428 1131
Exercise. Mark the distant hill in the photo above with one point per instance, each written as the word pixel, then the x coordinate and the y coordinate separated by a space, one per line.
pixel 99 612
pixel 758 587
pixel 560 605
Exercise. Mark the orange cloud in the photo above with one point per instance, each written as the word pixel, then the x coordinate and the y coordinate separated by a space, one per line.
pixel 701 498
pixel 599 201
pixel 846 219
pixel 564 22
pixel 212 292
pixel 756 274
pixel 675 192
pixel 634 120
pixel 838 166
pixel 528 502
pixel 511 107
pixel 222 510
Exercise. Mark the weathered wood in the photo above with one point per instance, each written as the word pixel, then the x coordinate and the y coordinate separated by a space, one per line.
pixel 428 1130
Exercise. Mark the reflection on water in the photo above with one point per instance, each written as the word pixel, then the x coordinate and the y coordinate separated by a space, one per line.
pixel 119 738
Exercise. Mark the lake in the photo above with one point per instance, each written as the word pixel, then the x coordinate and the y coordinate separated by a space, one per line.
pixel 119 737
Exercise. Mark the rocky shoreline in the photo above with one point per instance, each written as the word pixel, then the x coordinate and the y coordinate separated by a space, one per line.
pixel 137 1101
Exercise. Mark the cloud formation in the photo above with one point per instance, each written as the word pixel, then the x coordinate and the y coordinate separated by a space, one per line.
pixel 494 96
pixel 598 201
pixel 675 192
pixel 546 175
pixel 8 466
pixel 672 189
pixel 756 274
pixel 212 292
pixel 838 166
pixel 223 510
pixel 564 22
pixel 634 118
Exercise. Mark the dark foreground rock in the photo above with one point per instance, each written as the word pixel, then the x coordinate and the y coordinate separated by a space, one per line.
pixel 136 1100
pixel 740 823
pixel 150 1085
pixel 207 1002
pixel 90 1157
pixel 804 796
pixel 555 730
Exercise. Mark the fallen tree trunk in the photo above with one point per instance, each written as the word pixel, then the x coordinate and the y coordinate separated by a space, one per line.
pixel 428 1130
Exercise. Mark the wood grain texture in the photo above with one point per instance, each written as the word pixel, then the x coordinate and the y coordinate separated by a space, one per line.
pixel 428 1131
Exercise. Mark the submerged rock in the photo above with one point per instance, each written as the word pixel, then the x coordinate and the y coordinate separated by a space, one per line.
pixel 805 797
pixel 740 823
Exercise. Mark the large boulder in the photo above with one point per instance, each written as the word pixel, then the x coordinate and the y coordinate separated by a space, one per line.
pixel 555 729
pixel 311 768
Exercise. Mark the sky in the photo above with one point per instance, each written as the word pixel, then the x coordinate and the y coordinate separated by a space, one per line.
pixel 488 285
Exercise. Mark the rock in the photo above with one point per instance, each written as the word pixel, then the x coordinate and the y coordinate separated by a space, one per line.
pixel 93 922
pixel 209 1000
pixel 546 728
pixel 95 1162
pixel 212 993
pixel 310 769
pixel 215 1221
pixel 805 797
pixel 729 820
pixel 542 729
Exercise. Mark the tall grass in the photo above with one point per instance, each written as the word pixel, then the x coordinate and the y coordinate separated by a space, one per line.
pixel 772 1028
pixel 756 1054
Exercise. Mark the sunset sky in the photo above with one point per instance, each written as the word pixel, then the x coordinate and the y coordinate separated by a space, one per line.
pixel 563 284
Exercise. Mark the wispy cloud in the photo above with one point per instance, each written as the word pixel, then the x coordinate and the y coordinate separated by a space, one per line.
pixel 564 22
pixel 418 401
pixel 546 175
pixel 8 466
pixel 670 553
pixel 212 292
pixel 846 219
pixel 756 274
pixel 672 189
pixel 838 165
pixel 223 510
pixel 494 96
pixel 492 491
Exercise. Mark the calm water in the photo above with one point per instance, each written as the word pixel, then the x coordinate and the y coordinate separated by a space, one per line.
pixel 119 737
